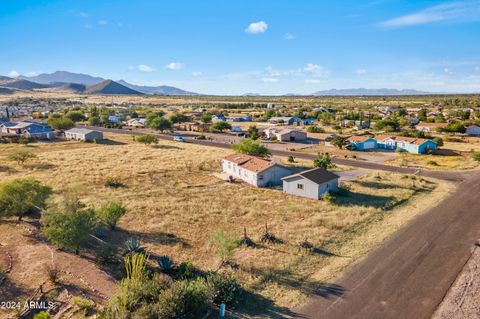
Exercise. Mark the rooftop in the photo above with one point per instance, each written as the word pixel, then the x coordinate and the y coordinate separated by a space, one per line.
pixel 316 175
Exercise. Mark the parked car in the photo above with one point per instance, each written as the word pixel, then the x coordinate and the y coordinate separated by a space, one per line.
pixel 178 139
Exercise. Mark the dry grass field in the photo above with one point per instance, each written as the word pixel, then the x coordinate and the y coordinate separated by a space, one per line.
pixel 434 162
pixel 175 203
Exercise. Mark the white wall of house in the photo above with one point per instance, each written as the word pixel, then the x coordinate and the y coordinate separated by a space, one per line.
pixel 270 176
pixel 301 186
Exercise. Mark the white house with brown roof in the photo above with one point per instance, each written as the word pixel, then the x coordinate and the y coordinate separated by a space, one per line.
pixel 254 170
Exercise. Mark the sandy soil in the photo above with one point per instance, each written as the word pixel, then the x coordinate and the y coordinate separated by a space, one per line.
pixel 462 300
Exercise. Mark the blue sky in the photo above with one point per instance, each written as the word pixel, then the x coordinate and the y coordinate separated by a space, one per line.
pixel 240 46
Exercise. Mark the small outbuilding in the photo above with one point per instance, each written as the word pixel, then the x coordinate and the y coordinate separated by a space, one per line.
pixel 311 183
pixel 83 134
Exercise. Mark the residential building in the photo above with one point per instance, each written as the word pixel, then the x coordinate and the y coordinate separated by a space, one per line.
pixel 254 170
pixel 285 135
pixel 236 129
pixel 219 118
pixel 362 143
pixel 406 144
pixel 135 122
pixel 285 120
pixel 473 130
pixel 311 183
pixel 83 134
pixel 429 127
pixel 34 130
pixel 114 119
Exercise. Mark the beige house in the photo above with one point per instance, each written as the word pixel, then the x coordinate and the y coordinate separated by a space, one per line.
pixel 429 127
pixel 83 134
pixel 286 135
pixel 312 183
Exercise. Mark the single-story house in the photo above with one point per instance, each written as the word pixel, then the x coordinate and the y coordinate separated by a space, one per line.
pixel 219 118
pixel 429 127
pixel 307 121
pixel 254 170
pixel 34 130
pixel 286 135
pixel 275 106
pixel 136 122
pixel 247 118
pixel 236 129
pixel 415 145
pixel 387 142
pixel 114 119
pixel 362 143
pixel 473 130
pixel 192 126
pixel 312 183
pixel 286 120
pixel 83 134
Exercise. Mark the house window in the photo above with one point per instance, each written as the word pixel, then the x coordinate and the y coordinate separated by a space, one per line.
pixel 260 177
pixel 300 186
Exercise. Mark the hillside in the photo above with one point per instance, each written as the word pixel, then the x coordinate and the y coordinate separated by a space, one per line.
pixel 71 87
pixel 160 90
pixel 109 87
pixel 22 84
pixel 64 77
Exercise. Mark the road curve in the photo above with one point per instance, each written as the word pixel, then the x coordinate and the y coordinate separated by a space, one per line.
pixel 410 273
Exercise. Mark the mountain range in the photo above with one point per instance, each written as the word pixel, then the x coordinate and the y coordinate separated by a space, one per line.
pixel 82 83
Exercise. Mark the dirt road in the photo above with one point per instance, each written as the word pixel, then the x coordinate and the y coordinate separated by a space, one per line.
pixel 409 274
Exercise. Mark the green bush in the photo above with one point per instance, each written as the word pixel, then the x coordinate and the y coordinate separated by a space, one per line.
pixel 186 270
pixel 113 182
pixel 225 289
pixel 476 156
pixel 146 139
pixel 42 315
pixel 329 198
pixel 111 213
pixel 315 129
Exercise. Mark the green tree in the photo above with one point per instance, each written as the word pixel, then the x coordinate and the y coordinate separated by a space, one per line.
pixel 324 161
pixel 146 139
pixel 340 142
pixel 159 123
pixel 178 118
pixel 21 157
pixel 253 132
pixel 94 121
pixel 23 196
pixel 75 116
pixel 111 213
pixel 251 147
pixel 69 229
pixel 60 123
pixel 206 118
pixel 220 126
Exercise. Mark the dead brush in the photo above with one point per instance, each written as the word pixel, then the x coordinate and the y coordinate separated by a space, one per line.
pixel 246 241
pixel 268 237
pixel 305 244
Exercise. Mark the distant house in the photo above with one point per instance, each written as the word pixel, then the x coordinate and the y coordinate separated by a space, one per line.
pixel 254 170
pixel 387 142
pixel 312 183
pixel 307 121
pixel 429 127
pixel 473 130
pixel 275 106
pixel 247 118
pixel 192 126
pixel 4 120
pixel 236 129
pixel 34 130
pixel 362 143
pixel 285 135
pixel 219 118
pixel 285 120
pixel 114 119
pixel 83 134
pixel 135 122
pixel 406 144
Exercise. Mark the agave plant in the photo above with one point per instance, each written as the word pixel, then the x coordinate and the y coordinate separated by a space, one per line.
pixel 165 263
pixel 133 245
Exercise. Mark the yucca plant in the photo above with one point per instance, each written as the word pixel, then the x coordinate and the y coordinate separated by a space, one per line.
pixel 133 245
pixel 165 263
pixel 135 267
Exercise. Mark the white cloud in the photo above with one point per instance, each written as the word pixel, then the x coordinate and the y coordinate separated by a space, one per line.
pixel 146 68
pixel 33 73
pixel 271 80
pixel 197 73
pixel 257 27
pixel 174 66
pixel 447 71
pixel 361 71
pixel 83 14
pixel 315 70
pixel 312 81
pixel 288 36
pixel 103 22
pixel 13 74
pixel 461 11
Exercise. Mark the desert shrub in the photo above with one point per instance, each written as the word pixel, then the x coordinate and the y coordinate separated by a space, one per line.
pixel 113 182
pixel 223 245
pixel 52 273
pixel 82 303
pixel 328 198
pixel 24 140
pixel 165 263
pixel 186 270
pixel 111 213
pixel 432 163
pixel 146 139
pixel 268 237
pixel 324 161
pixel 438 141
pixel 315 129
pixel 225 289
pixel 42 315
pixel 291 159
pixel 105 254
pixel 476 156
pixel 133 245
pixel 21 157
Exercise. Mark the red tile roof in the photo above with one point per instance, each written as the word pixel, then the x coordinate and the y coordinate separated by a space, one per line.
pixel 250 163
